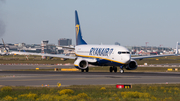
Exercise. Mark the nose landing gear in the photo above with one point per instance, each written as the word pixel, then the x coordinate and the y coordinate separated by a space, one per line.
pixel 121 69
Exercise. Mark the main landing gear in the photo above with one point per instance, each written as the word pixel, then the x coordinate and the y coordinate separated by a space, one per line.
pixel 87 69
pixel 114 68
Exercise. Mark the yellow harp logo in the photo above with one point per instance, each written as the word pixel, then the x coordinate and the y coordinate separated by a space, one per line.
pixel 77 30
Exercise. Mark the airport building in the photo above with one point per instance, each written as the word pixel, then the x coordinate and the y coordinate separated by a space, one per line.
pixel 150 50
pixel 64 47
pixel 64 42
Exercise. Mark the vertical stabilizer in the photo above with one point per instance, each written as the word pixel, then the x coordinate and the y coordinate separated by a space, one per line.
pixel 4 45
pixel 79 40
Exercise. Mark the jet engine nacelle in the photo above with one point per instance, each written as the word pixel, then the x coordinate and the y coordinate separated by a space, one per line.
pixel 81 63
pixel 132 65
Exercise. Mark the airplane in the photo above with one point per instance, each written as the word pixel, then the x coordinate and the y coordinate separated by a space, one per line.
pixel 6 52
pixel 100 55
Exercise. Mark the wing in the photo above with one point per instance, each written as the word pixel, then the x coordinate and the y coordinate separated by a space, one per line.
pixel 40 54
pixel 151 56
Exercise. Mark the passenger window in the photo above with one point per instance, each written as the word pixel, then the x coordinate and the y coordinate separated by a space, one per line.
pixel 119 52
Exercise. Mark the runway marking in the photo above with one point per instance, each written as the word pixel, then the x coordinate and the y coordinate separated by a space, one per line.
pixel 86 78
pixel 61 75
pixel 58 79
pixel 43 79
pixel 38 75
pixel 45 66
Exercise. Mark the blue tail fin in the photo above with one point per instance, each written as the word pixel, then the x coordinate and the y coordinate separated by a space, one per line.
pixel 79 40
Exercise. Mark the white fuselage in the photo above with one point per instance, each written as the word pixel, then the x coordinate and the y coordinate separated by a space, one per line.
pixel 113 53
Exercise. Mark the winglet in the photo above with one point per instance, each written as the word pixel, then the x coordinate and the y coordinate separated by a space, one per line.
pixel 79 40
pixel 177 52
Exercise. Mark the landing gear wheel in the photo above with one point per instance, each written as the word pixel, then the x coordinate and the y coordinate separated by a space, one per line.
pixel 111 69
pixel 87 69
pixel 121 71
pixel 82 70
pixel 115 69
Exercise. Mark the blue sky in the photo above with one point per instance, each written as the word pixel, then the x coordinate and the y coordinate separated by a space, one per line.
pixel 129 22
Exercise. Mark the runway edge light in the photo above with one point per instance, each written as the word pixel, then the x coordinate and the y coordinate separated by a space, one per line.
pixel 123 86
pixel 55 69
pixel 169 69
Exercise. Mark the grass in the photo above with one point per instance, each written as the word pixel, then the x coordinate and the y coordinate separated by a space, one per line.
pixel 38 60
pixel 141 92
pixel 31 60
pixel 160 60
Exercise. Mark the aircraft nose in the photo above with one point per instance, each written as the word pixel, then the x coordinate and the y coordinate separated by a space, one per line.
pixel 127 58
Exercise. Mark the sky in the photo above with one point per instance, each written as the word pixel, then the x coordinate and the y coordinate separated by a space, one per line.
pixel 129 22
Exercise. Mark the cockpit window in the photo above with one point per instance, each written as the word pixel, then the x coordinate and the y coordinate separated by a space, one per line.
pixel 123 52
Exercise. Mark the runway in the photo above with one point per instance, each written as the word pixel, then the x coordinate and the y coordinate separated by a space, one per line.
pixel 37 78
pixel 24 67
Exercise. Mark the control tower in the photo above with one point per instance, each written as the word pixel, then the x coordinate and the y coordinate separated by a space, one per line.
pixel 43 46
